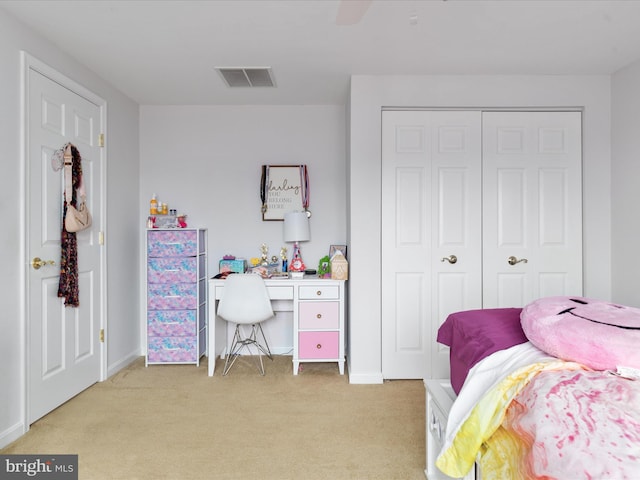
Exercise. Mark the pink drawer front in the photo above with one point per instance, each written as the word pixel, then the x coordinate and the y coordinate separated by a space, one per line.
pixel 170 243
pixel 319 315
pixel 180 296
pixel 172 270
pixel 171 323
pixel 172 349
pixel 318 345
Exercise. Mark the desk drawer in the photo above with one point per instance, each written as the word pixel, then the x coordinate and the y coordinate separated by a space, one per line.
pixel 323 315
pixel 315 292
pixel 318 345
pixel 279 292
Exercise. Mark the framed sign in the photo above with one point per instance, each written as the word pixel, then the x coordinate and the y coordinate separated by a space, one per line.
pixel 283 188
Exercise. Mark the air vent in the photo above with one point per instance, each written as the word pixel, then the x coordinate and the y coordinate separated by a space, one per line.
pixel 247 76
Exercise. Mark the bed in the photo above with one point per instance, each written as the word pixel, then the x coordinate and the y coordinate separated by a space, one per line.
pixel 521 412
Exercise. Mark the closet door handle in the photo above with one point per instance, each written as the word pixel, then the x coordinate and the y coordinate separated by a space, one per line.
pixel 513 260
pixel 451 259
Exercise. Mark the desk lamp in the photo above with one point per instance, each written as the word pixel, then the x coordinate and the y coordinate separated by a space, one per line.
pixel 296 229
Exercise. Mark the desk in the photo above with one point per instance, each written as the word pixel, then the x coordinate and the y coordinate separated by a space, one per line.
pixel 318 307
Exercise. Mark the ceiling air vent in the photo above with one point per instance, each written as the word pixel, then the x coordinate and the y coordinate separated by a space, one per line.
pixel 247 76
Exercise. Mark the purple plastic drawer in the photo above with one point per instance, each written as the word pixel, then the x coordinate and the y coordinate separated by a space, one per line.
pixel 172 349
pixel 170 243
pixel 180 296
pixel 171 323
pixel 172 270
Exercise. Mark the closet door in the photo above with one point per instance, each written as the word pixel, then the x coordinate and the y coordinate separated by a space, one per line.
pixel 431 213
pixel 532 206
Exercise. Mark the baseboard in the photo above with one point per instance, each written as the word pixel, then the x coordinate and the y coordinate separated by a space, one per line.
pixel 11 434
pixel 122 363
pixel 365 378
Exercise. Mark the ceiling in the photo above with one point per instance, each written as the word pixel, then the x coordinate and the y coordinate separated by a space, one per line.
pixel 164 52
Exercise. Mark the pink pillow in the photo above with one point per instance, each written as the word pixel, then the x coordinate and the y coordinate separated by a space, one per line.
pixel 598 334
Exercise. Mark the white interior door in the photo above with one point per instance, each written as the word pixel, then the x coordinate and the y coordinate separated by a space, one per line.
pixel 63 344
pixel 532 197
pixel 431 231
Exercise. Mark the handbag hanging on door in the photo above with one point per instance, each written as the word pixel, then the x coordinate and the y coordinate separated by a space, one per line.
pixel 76 219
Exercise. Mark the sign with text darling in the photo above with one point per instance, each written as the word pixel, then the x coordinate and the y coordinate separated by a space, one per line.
pixel 283 188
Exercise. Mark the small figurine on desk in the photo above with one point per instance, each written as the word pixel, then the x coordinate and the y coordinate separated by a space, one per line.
pixel 283 256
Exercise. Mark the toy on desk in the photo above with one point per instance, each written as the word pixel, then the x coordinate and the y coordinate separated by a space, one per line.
pixel 229 263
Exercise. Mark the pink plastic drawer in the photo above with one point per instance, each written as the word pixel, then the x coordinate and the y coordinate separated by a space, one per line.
pixel 172 270
pixel 318 345
pixel 319 315
pixel 172 243
pixel 172 349
pixel 171 323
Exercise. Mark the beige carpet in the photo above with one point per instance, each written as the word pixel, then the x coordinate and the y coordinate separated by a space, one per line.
pixel 175 422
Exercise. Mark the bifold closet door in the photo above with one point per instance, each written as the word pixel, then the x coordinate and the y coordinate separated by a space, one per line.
pixel 431 232
pixel 532 206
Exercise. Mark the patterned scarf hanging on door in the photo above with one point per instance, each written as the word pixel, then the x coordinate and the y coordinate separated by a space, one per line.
pixel 68 287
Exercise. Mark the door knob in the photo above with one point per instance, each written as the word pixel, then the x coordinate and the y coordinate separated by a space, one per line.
pixel 513 260
pixel 37 262
pixel 450 259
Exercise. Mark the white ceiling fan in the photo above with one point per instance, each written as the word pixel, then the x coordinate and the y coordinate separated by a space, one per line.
pixel 351 12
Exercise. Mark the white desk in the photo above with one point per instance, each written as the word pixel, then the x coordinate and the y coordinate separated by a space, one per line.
pixel 318 307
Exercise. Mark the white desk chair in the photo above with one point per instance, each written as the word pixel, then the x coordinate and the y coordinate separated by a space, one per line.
pixel 246 302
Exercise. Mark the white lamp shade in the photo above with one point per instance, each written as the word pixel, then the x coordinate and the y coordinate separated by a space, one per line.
pixel 295 227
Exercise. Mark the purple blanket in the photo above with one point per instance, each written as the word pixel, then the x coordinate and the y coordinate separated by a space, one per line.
pixel 474 334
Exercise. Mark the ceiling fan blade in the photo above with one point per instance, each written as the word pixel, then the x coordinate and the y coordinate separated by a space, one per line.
pixel 351 12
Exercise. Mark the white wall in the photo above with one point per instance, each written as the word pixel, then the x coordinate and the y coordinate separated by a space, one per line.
pixel 625 175
pixel 369 94
pixel 206 161
pixel 122 234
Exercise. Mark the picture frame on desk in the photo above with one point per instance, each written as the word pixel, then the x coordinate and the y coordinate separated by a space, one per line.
pixel 335 248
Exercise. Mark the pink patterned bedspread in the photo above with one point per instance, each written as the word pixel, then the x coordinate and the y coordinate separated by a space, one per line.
pixel 522 414
pixel 577 424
